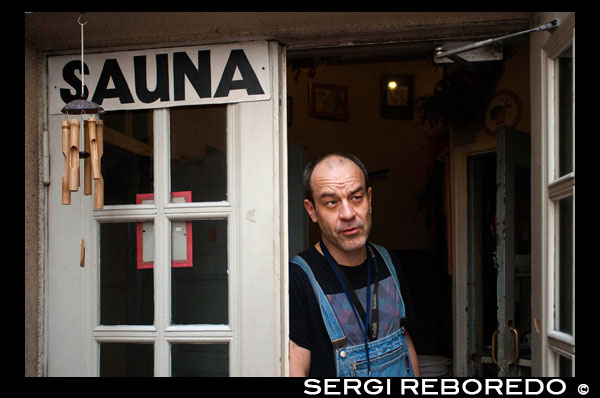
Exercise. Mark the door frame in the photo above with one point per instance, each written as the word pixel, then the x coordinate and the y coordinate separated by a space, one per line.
pixel 460 250
pixel 543 46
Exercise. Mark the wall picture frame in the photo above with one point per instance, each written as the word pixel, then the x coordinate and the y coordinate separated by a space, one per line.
pixel 328 101
pixel 397 93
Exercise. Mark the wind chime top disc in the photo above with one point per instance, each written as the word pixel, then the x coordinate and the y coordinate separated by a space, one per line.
pixel 79 106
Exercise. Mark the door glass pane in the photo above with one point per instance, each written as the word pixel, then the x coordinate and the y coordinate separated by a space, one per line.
pixel 126 289
pixel 199 151
pixel 564 272
pixel 194 360
pixel 126 360
pixel 522 210
pixel 565 367
pixel 128 156
pixel 199 287
pixel 564 85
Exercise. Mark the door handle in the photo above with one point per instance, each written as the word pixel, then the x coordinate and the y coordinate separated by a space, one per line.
pixel 495 337
pixel 516 334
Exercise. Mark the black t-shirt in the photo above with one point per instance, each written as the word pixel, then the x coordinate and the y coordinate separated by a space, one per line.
pixel 307 328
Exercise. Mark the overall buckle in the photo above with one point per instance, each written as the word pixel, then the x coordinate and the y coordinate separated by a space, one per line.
pixel 339 342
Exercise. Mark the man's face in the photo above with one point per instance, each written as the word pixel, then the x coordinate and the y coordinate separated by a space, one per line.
pixel 342 206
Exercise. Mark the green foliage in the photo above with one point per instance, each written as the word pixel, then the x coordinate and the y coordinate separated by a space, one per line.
pixel 461 96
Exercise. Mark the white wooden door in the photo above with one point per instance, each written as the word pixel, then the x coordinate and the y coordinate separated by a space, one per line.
pixel 184 269
pixel 552 63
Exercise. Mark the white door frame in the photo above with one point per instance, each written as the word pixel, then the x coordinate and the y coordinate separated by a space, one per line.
pixel 257 249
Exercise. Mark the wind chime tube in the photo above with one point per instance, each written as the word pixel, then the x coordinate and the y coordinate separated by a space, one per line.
pixel 87 170
pixel 74 155
pixel 93 142
pixel 99 182
pixel 66 193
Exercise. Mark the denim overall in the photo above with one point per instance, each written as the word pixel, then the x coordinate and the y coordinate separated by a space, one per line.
pixel 388 356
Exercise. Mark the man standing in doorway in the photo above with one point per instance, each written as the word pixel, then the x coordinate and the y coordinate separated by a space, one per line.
pixel 349 304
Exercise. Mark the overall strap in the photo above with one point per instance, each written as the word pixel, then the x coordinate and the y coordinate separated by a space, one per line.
pixel 390 264
pixel 334 329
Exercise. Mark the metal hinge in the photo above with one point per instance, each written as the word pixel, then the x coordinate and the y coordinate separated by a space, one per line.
pixel 45 157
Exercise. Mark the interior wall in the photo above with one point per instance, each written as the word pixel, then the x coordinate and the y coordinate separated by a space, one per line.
pixel 515 79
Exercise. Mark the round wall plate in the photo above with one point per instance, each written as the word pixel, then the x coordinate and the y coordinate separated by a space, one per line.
pixel 503 110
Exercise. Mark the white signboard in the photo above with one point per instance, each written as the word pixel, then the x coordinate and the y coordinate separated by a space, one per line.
pixel 160 78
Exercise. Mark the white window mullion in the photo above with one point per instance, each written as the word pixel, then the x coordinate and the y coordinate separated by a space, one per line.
pixel 562 187
pixel 162 239
pixel 562 342
pixel 125 333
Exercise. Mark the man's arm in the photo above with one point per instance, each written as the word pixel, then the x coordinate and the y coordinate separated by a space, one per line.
pixel 299 360
pixel 412 354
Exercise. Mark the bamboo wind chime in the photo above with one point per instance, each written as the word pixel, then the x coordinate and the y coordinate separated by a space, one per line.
pixel 91 155
pixel 92 141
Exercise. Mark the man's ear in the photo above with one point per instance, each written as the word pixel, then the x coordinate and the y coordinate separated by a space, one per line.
pixel 310 209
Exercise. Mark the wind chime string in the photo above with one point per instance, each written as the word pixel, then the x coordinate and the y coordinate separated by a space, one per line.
pixel 82 70
pixel 82 140
pixel 82 120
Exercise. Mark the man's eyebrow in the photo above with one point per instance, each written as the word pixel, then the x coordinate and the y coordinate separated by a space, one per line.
pixel 331 194
pixel 357 190
pixel 327 195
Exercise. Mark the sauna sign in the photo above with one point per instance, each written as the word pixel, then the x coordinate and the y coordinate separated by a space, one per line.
pixel 160 78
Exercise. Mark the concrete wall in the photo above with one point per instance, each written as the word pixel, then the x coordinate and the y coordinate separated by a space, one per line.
pixel 34 214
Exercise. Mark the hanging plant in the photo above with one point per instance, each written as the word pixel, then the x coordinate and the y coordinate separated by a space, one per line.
pixel 461 96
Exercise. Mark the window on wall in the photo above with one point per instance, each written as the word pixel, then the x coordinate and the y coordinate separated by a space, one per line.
pixel 164 275
pixel 560 52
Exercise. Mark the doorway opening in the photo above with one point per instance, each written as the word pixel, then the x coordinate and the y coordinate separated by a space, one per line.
pixel 336 104
pixel 408 160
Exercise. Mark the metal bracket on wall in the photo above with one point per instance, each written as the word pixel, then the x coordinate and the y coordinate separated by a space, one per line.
pixel 474 52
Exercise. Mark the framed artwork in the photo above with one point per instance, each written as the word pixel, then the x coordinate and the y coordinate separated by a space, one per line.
pixel 397 96
pixel 181 235
pixel 328 101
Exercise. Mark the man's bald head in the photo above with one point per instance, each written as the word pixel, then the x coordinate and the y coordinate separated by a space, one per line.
pixel 341 156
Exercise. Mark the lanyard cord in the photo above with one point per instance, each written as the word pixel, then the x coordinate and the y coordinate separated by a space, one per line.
pixel 341 278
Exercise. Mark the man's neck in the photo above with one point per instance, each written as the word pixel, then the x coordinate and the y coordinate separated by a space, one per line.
pixel 349 259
